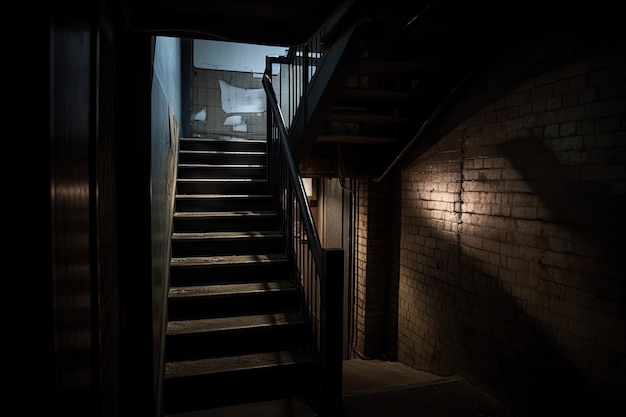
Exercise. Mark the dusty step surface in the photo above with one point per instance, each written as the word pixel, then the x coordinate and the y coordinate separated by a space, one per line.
pixel 201 338
pixel 220 324
pixel 186 244
pixel 228 268
pixel 209 215
pixel 191 261
pixel 225 235
pixel 229 289
pixel 224 202
pixel 242 220
pixel 220 186
pixel 235 363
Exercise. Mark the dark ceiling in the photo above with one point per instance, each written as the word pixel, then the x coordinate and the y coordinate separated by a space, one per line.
pixel 270 22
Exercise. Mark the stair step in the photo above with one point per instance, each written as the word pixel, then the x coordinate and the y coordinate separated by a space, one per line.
pixel 218 382
pixel 203 221
pixel 223 202
pixel 222 157
pixel 208 215
pixel 228 268
pixel 230 364
pixel 213 291
pixel 203 301
pixel 221 186
pixel 234 335
pixel 225 144
pixel 185 244
pixel 234 323
pixel 228 260
pixel 253 234
pixel 253 171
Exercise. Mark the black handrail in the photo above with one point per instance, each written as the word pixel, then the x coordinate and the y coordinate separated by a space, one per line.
pixel 303 201
pixel 320 270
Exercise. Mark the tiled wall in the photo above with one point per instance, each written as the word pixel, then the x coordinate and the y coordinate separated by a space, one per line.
pixel 207 114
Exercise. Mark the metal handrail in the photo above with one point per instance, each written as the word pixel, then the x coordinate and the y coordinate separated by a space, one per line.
pixel 319 271
pixel 296 178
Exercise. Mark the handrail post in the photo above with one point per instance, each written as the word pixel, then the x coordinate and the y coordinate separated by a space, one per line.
pixel 331 332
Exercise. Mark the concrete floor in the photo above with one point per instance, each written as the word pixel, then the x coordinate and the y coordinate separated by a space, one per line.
pixel 373 388
pixel 389 389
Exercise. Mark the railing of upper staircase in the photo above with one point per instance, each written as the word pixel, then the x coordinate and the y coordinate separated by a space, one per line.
pixel 319 270
pixel 291 74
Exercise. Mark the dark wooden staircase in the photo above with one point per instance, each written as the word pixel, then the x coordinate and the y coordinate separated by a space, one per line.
pixel 236 330
pixel 387 72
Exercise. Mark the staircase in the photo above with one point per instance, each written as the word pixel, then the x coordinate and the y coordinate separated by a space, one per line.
pixel 389 70
pixel 236 331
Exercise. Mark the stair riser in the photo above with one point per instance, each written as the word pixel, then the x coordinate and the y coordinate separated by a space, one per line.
pixel 221 171
pixel 232 343
pixel 219 246
pixel 221 274
pixel 218 145
pixel 220 158
pixel 232 305
pixel 226 203
pixel 223 389
pixel 221 187
pixel 221 224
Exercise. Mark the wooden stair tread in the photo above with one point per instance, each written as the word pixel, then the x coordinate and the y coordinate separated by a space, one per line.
pixel 222 139
pixel 198 165
pixel 218 324
pixel 221 180
pixel 216 152
pixel 225 235
pixel 227 260
pixel 220 196
pixel 235 363
pixel 214 214
pixel 229 289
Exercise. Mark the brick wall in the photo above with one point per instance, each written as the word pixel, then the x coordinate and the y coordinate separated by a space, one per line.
pixel 372 283
pixel 511 235
pixel 359 290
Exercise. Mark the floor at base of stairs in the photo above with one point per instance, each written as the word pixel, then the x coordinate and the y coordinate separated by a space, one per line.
pixel 381 388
